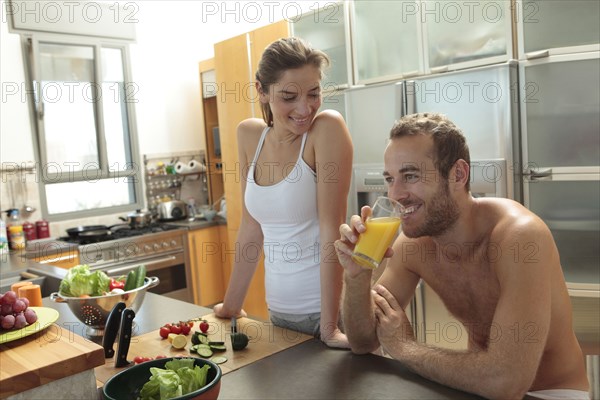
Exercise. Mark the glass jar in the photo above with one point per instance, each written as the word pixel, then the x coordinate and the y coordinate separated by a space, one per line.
pixel 16 237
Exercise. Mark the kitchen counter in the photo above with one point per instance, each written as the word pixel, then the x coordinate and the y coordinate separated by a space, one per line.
pixel 310 370
pixel 304 370
pixel 199 223
pixel 156 310
pixel 15 262
pixel 48 363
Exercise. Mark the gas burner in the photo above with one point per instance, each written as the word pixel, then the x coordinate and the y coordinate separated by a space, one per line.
pixel 120 232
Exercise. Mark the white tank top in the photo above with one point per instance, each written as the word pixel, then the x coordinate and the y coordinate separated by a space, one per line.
pixel 287 213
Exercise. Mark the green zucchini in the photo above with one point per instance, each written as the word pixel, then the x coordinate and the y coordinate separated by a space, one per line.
pixel 140 276
pixel 131 281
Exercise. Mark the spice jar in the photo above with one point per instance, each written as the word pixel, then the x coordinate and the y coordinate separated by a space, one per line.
pixel 42 229
pixel 29 230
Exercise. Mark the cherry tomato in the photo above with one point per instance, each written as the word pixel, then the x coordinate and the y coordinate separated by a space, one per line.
pixel 138 359
pixel 204 326
pixel 160 356
pixel 185 328
pixel 190 324
pixel 175 329
pixel 164 332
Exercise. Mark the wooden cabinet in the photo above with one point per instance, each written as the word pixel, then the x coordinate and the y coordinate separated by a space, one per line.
pixel 208 91
pixel 206 249
pixel 235 64
pixel 65 259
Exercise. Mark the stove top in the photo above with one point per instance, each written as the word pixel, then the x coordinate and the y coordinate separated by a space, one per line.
pixel 120 232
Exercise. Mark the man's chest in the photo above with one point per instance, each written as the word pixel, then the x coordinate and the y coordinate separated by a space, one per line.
pixel 470 292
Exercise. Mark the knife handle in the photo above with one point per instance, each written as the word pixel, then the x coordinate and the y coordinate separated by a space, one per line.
pixel 111 328
pixel 124 337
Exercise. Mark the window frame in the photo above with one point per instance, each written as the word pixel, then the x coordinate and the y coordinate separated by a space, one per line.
pixel 31 60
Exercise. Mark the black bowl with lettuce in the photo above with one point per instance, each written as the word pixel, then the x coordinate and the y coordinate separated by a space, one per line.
pixel 90 297
pixel 176 378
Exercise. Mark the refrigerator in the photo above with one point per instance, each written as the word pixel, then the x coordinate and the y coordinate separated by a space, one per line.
pixel 560 120
pixel 483 103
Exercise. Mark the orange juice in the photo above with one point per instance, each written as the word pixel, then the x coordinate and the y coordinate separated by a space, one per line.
pixel 372 243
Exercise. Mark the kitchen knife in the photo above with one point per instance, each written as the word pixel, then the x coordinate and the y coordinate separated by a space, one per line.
pixel 233 325
pixel 111 328
pixel 124 337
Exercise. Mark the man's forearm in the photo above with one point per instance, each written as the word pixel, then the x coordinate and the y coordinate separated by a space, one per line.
pixel 359 318
pixel 470 371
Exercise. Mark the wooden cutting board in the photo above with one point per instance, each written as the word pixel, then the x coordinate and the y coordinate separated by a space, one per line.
pixel 265 339
pixel 51 354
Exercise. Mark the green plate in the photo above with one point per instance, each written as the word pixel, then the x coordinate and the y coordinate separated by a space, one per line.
pixel 46 317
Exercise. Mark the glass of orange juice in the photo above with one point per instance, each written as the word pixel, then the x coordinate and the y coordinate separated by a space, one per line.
pixel 382 226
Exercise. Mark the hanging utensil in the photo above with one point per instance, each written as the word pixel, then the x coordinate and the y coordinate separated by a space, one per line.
pixel 23 180
pixel 11 191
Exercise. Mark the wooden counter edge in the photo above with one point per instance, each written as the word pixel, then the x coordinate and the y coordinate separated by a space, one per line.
pixel 88 359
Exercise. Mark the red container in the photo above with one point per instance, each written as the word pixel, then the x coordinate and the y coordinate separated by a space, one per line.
pixel 43 231
pixel 30 231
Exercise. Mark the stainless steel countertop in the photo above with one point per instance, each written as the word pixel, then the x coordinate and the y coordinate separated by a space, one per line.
pixel 199 223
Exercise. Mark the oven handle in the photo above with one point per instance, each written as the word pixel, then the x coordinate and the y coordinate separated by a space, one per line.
pixel 150 265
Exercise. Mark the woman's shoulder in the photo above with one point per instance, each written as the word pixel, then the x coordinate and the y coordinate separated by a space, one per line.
pixel 329 123
pixel 251 126
pixel 250 129
pixel 331 117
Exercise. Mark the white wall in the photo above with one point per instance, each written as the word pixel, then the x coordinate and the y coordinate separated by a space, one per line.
pixel 172 37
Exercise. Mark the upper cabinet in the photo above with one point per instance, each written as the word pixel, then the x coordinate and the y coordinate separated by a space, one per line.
pixel 327 29
pixel 557 27
pixel 464 34
pixel 386 37
pixel 402 39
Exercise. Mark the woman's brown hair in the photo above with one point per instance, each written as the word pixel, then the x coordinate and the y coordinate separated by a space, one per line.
pixel 278 57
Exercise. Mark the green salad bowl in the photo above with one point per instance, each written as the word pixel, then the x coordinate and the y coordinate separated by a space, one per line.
pixel 128 383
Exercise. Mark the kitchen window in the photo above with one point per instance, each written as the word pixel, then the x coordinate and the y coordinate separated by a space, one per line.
pixel 82 99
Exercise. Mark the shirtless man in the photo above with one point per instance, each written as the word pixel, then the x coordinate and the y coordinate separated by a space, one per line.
pixel 493 263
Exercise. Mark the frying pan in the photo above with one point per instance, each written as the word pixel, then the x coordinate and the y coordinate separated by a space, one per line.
pixel 93 231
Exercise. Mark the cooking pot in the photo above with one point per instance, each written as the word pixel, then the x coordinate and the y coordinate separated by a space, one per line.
pixel 138 219
pixel 172 210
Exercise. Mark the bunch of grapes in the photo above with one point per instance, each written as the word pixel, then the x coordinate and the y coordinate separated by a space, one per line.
pixel 14 311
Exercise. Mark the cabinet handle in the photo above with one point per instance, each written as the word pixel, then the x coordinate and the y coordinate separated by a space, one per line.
pixel 410 74
pixel 438 70
pixel 538 174
pixel 41 110
pixel 537 54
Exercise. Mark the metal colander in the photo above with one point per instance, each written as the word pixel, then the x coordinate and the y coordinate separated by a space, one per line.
pixel 93 311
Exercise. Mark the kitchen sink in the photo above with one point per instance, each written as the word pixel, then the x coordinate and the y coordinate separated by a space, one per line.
pixel 48 282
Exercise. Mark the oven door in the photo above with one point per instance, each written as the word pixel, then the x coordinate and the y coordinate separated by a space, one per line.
pixel 169 268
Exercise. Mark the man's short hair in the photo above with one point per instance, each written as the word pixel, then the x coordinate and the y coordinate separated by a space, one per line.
pixel 449 143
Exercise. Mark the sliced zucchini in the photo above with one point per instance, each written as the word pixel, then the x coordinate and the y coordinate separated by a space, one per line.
pixel 218 359
pixel 218 347
pixel 204 351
